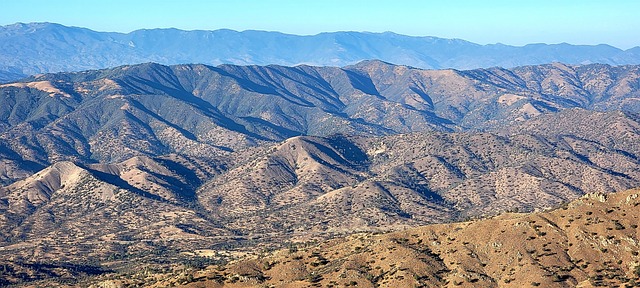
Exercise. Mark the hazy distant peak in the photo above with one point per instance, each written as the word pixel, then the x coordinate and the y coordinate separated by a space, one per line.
pixel 61 48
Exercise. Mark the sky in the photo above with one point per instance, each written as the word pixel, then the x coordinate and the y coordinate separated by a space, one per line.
pixel 512 22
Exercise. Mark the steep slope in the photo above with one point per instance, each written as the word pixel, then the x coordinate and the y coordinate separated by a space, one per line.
pixel 486 98
pixel 92 120
pixel 592 241
pixel 317 164
pixel 46 47
pixel 174 178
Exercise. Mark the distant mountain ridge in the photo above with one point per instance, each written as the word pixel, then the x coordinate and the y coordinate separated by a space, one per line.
pixel 46 47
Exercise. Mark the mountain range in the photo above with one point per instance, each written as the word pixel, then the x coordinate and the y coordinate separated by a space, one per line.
pixel 149 164
pixel 27 49
pixel 203 111
pixel 297 161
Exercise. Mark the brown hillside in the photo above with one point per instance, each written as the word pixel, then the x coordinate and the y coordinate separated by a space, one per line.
pixel 592 241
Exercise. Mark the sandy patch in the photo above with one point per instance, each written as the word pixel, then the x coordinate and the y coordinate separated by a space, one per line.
pixel 106 84
pixel 509 99
pixel 44 86
pixel 530 110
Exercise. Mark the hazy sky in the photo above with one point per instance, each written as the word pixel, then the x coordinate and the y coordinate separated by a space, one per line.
pixel 514 22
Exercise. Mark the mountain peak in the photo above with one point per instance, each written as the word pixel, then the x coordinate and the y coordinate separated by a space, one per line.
pixel 370 63
pixel 33 26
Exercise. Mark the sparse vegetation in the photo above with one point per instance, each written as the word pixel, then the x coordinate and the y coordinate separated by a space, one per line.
pixel 185 192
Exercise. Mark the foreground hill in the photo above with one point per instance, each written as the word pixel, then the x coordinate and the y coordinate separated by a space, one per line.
pixel 46 47
pixel 592 241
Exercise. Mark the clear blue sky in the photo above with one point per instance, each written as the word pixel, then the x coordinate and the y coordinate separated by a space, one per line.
pixel 515 22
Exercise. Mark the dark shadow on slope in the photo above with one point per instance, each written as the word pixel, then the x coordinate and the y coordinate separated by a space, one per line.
pixel 423 95
pixel 262 73
pixel 27 165
pixel 251 86
pixel 185 190
pixel 205 107
pixel 21 273
pixel 50 268
pixel 189 175
pixel 340 159
pixel 331 154
pixel 627 154
pixel 154 140
pixel 427 194
pixel 245 83
pixel 119 182
pixel 490 76
pixel 144 109
pixel 321 82
pixel 410 178
pixel 362 83
pixel 351 152
pixel 395 207
pixel 268 126
pixel 326 97
pixel 452 168
pixel 75 132
pixel 543 106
